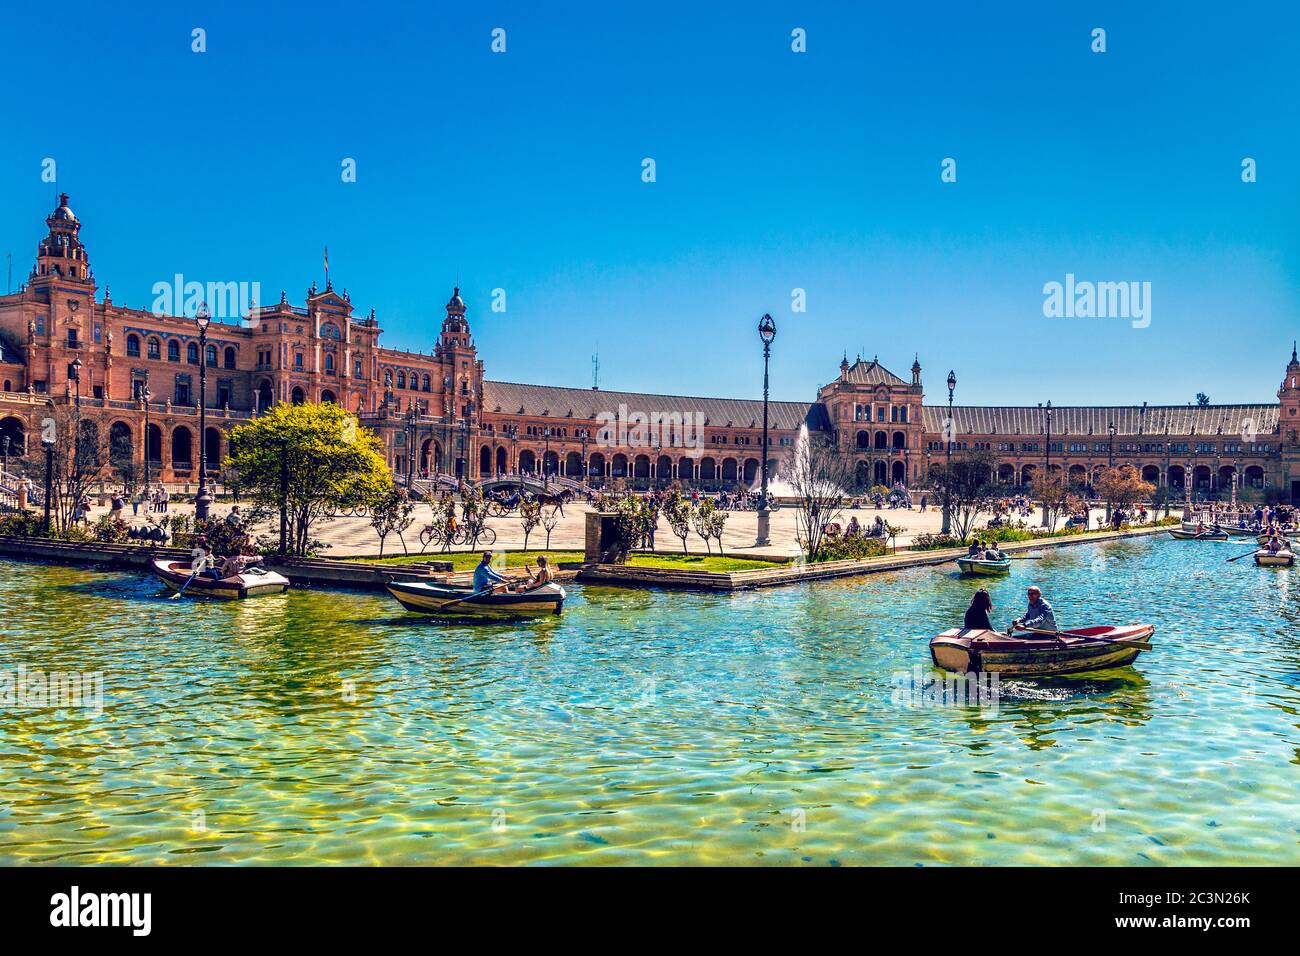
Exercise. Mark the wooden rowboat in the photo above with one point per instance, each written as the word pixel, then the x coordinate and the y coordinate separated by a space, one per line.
pixel 1263 538
pixel 1205 534
pixel 1274 559
pixel 464 601
pixel 983 566
pixel 1080 649
pixel 253 582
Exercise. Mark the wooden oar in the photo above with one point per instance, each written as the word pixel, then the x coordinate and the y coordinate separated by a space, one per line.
pixel 1087 637
pixel 1240 556
pixel 1025 557
pixel 184 586
pixel 487 590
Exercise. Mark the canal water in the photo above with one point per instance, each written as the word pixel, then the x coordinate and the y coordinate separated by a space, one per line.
pixel 656 727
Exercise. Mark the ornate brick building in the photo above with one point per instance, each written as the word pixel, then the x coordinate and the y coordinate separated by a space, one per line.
pixel 436 413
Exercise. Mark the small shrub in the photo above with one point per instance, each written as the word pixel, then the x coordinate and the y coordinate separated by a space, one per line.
pixel 934 542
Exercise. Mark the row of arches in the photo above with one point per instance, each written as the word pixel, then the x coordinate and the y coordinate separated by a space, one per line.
pixel 153 349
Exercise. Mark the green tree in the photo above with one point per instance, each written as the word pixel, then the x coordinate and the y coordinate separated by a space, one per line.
pixel 304 462
pixel 677 512
pixel 530 513
pixel 1202 399
pixel 391 512
pixel 702 519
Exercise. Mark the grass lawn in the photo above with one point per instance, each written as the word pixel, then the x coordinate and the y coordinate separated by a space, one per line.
pixel 466 560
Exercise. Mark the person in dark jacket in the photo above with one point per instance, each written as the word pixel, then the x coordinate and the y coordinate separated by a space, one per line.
pixel 977 615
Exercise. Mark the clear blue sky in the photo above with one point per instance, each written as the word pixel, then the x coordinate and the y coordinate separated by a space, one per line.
pixel 775 171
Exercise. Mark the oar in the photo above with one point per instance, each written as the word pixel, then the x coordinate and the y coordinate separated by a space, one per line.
pixel 1025 557
pixel 1240 556
pixel 1086 637
pixel 184 586
pixel 487 590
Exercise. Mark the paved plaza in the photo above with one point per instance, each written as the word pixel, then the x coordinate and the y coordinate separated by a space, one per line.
pixel 354 537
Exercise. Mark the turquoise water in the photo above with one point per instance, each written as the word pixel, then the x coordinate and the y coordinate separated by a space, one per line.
pixel 656 727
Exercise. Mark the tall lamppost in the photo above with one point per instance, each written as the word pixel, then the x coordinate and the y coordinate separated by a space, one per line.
pixel 74 372
pixel 48 442
pixel 766 333
pixel 4 468
pixel 1110 461
pixel 146 395
pixel 412 434
pixel 948 427
pixel 585 439
pixel 546 456
pixel 203 501
pixel 1047 455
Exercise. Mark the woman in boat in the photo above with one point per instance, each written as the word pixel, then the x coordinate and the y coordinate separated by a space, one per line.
pixel 544 575
pixel 977 615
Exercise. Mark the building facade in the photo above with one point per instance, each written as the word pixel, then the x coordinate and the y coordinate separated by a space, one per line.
pixel 137 371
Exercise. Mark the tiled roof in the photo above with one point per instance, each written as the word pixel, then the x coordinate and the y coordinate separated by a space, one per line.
pixel 1095 420
pixel 507 398
pixel 871 373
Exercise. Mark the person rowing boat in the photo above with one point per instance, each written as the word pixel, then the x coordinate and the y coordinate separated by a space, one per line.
pixel 486 578
pixel 1038 615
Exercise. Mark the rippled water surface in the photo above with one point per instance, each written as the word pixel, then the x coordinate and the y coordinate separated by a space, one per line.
pixel 757 728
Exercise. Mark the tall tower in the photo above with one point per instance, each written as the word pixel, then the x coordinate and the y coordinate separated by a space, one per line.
pixel 1288 397
pixel 61 255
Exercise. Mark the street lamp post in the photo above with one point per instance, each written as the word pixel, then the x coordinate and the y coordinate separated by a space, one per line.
pixel 146 395
pixel 948 428
pixel 1110 461
pixel 4 468
pixel 584 456
pixel 546 457
pixel 203 501
pixel 1047 456
pixel 48 442
pixel 412 435
pixel 75 371
pixel 766 333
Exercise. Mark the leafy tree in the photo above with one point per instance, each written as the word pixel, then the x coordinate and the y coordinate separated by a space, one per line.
pixel 702 519
pixel 969 484
pixel 530 513
pixel 549 521
pixel 1053 490
pixel 305 462
pixel 80 459
pixel 818 477
pixel 1202 399
pixel 677 511
pixel 718 523
pixel 391 512
pixel 1122 487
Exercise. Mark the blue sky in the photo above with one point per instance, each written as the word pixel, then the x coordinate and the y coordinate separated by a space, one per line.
pixel 775 171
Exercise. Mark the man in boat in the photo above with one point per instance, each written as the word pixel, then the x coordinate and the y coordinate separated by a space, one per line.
pixel 1038 615
pixel 993 553
pixel 485 576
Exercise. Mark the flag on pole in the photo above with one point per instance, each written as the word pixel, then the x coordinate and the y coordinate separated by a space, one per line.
pixel 327 263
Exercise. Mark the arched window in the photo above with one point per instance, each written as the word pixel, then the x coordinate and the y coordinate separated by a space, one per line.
pixel 415 381
pixel 401 380
pixel 155 350
pixel 330 331
pixel 211 356
pixel 425 385
pixel 329 362
pixel 230 357
pixel 192 353
pixel 133 346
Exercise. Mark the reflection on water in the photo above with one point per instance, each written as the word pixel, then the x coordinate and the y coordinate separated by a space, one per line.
pixel 655 727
